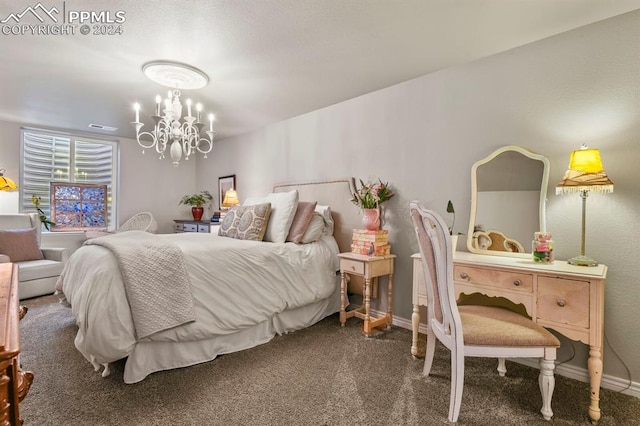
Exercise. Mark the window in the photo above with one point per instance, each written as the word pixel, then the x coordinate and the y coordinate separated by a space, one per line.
pixel 76 206
pixel 53 157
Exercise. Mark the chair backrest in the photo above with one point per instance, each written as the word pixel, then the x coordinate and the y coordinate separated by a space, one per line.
pixel 437 265
pixel 21 221
pixel 143 221
pixel 496 240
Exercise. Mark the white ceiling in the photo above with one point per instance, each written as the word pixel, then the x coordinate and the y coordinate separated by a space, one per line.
pixel 267 60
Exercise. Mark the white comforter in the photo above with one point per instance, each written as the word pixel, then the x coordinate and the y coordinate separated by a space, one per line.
pixel 236 284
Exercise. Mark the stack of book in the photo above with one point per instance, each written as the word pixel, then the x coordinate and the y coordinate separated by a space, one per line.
pixel 370 243
pixel 216 218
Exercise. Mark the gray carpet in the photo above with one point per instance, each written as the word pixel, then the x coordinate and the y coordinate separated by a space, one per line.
pixel 324 375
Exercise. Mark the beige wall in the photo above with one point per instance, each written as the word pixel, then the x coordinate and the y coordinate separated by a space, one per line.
pixel 424 135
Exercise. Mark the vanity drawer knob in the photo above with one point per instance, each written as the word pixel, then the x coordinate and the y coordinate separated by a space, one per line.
pixel 561 302
pixel 464 276
pixel 517 283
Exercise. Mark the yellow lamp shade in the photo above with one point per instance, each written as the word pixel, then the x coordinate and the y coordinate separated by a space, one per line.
pixel 585 173
pixel 230 199
pixel 586 160
pixel 6 184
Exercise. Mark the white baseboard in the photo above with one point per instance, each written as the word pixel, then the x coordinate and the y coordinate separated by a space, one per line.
pixel 613 383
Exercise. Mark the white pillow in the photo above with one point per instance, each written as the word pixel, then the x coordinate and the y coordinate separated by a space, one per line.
pixel 314 230
pixel 283 210
pixel 325 211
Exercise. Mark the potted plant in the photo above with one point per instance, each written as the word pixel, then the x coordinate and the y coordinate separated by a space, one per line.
pixel 454 237
pixel 369 197
pixel 197 202
pixel 35 200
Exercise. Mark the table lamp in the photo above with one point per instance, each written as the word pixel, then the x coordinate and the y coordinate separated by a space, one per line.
pixel 230 199
pixel 585 173
pixel 6 184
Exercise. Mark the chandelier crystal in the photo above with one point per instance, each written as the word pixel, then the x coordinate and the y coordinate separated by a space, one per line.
pixel 181 135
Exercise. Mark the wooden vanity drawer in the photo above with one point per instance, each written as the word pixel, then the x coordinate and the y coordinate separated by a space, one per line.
pixel 352 266
pixel 563 301
pixel 493 278
pixel 177 227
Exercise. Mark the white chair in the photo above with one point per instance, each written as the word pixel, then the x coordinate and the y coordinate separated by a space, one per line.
pixel 35 277
pixel 478 331
pixel 143 221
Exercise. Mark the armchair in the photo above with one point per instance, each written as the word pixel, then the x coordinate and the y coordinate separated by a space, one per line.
pixel 37 274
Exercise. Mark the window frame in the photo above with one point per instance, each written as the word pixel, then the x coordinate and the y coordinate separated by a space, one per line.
pixel 57 216
pixel 75 137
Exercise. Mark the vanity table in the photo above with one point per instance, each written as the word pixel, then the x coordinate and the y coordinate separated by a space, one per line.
pixel 508 198
pixel 563 297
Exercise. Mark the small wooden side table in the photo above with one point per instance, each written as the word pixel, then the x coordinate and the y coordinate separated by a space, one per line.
pixel 368 267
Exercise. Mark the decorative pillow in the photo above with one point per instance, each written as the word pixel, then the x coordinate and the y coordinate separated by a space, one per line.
pixel 227 226
pixel 20 245
pixel 246 222
pixel 283 209
pixel 301 221
pixel 325 211
pixel 314 230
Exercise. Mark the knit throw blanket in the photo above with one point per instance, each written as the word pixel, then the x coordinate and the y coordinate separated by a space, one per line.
pixel 155 279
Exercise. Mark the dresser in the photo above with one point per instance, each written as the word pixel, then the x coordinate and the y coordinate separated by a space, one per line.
pixel 14 383
pixel 563 297
pixel 180 225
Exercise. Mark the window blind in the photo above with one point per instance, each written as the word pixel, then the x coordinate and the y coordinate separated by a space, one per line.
pixel 51 157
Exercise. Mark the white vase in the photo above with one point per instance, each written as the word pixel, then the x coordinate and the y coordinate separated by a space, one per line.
pixel 454 244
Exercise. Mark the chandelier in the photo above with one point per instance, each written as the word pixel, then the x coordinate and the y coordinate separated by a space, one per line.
pixel 181 135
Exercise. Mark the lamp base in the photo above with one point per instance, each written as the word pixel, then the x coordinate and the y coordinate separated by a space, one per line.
pixel 582 261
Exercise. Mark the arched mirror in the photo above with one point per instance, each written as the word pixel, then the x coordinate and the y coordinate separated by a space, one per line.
pixel 508 202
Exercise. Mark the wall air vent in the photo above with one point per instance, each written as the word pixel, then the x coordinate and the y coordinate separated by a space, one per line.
pixel 102 127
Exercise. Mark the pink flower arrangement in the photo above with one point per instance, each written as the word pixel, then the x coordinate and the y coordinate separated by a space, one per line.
pixel 371 194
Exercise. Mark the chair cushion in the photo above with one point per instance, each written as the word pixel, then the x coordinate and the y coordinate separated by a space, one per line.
pixel 37 269
pixel 20 244
pixel 492 326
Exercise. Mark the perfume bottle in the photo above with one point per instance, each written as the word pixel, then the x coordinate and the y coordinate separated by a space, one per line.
pixel 542 247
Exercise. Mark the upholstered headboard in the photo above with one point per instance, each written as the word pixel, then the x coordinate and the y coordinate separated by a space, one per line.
pixel 335 193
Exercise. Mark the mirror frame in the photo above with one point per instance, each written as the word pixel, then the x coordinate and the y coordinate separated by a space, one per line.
pixel 474 197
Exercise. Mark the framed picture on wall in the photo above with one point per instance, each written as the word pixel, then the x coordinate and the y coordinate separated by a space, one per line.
pixel 225 183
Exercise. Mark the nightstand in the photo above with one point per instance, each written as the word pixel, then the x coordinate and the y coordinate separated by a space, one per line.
pixel 181 225
pixel 368 267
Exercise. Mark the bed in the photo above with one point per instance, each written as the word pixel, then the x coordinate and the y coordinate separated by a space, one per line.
pixel 239 293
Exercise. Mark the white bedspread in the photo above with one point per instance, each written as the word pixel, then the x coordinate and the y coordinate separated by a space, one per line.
pixel 155 279
pixel 236 285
